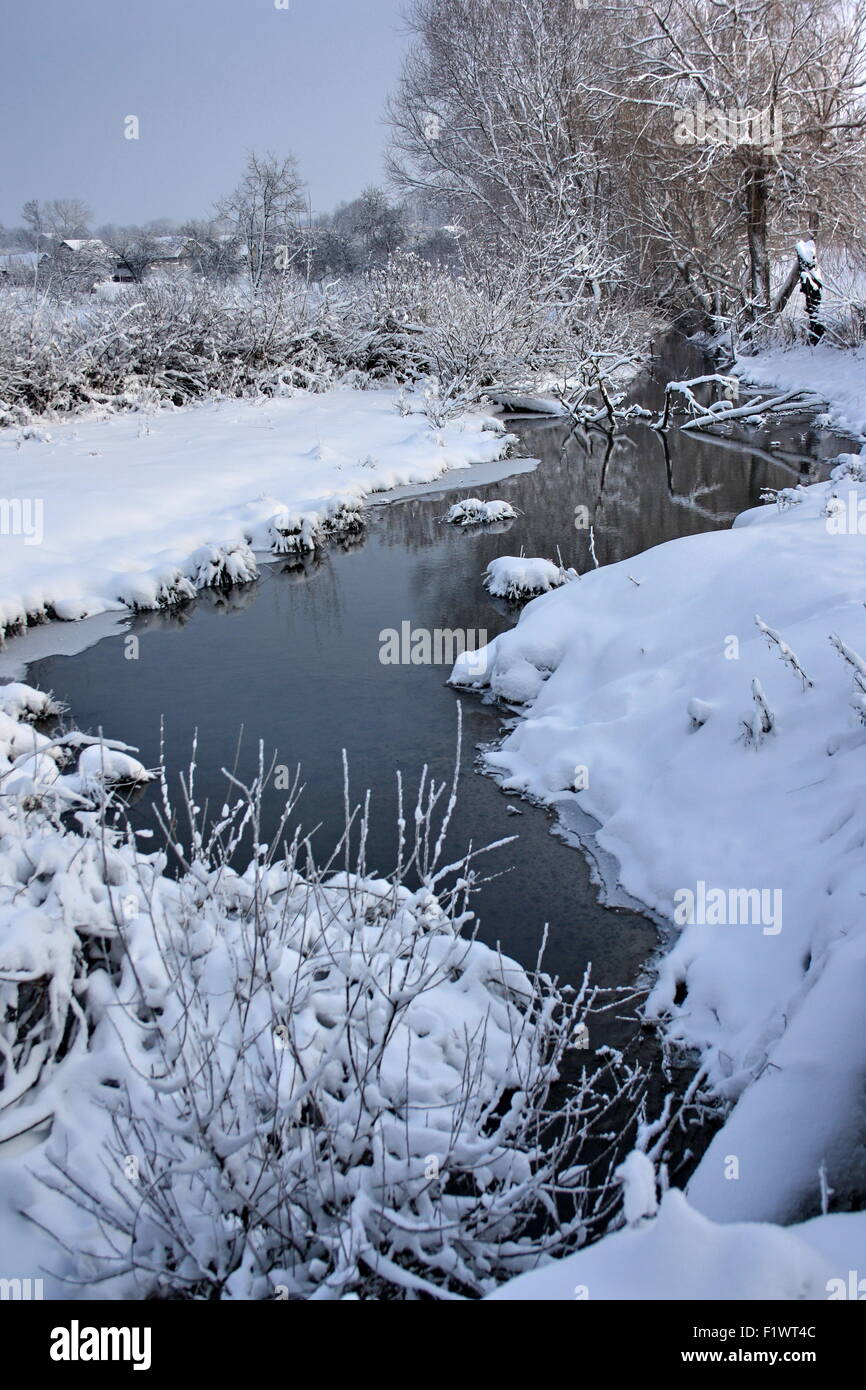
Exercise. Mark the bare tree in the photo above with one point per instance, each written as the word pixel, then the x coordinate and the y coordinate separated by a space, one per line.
pixel 683 146
pixel 59 219
pixel 494 115
pixel 374 223
pixel 746 127
pixel 263 212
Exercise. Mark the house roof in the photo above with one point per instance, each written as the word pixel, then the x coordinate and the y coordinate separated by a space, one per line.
pixel 8 259
pixel 171 247
pixel 92 244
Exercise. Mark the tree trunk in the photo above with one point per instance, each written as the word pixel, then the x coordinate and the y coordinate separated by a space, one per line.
pixel 756 223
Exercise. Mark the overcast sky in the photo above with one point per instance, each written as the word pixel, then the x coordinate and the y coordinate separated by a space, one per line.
pixel 208 80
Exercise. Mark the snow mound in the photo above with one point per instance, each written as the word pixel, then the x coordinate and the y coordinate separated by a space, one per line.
pixel 471 511
pixel 681 1255
pixel 98 763
pixel 516 576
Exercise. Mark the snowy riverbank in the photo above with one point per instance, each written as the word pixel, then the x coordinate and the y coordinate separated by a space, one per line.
pixel 680 1254
pixel 136 510
pixel 837 374
pixel 724 763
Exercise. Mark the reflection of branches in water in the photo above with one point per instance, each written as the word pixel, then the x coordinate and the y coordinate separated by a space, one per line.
pixel 297 567
pixel 804 466
pixel 226 601
pixel 675 485
pixel 639 489
pixel 416 523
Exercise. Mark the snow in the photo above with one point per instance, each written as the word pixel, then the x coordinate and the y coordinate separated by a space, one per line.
pixel 181 1047
pixel 682 1255
pixel 516 576
pixel 138 511
pixel 101 764
pixel 838 375
pixel 677 713
pixel 471 511
pixel 639 1188
pixel 464 479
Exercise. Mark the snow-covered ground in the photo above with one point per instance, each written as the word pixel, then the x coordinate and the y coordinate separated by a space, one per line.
pixel 134 510
pixel 724 760
pixel 680 1254
pixel 839 375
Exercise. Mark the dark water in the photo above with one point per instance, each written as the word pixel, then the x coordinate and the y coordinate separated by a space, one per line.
pixel 294 659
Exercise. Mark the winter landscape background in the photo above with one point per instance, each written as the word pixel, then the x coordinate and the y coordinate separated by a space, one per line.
pixel 433 704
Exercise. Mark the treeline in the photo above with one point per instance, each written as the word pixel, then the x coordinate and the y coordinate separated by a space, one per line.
pixel 564 176
pixel 684 147
pixel 257 232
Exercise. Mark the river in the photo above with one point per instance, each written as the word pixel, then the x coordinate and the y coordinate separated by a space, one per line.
pixel 294 660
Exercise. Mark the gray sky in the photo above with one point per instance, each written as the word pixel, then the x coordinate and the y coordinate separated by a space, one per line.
pixel 208 80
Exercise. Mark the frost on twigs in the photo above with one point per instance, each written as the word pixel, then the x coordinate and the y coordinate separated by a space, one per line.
pixel 858 666
pixel 222 567
pixel 208 567
pixel 784 497
pixel 785 653
pixel 290 533
pixel 313 1081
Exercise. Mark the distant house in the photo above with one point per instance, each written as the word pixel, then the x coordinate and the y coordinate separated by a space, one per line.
pixel 174 249
pixel 88 246
pixel 84 260
pixel 84 251
pixel 152 253
pixel 17 263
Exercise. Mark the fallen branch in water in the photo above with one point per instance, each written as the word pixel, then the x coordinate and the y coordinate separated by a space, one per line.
pixel 721 411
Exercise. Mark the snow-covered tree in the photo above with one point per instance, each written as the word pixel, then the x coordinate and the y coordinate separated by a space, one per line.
pixel 263 212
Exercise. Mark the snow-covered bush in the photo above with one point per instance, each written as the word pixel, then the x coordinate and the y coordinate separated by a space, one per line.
pixel 174 340
pixel 517 577
pixel 289 1081
pixel 471 511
